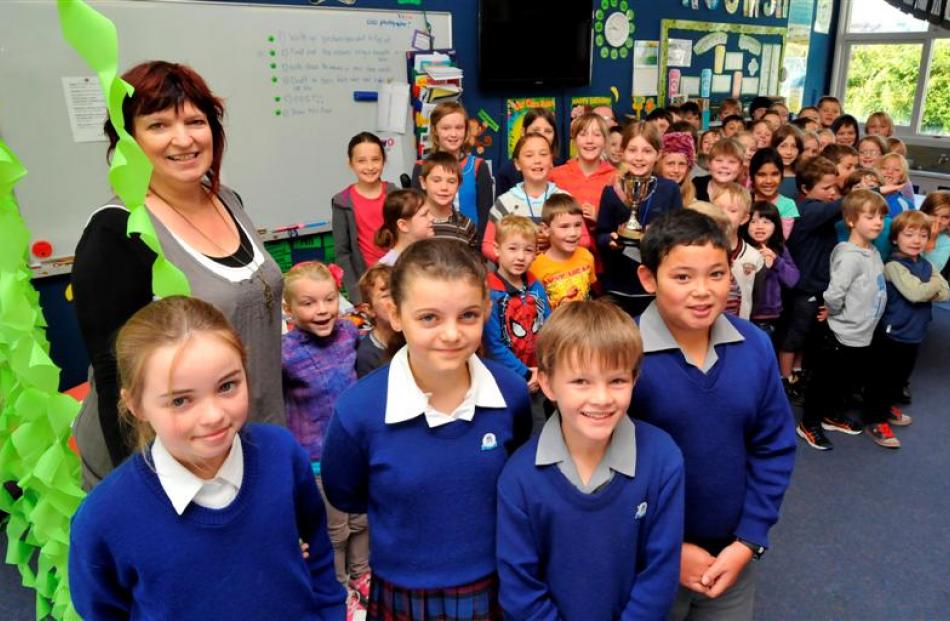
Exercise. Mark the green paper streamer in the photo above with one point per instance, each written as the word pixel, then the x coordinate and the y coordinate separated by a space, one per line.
pixel 486 118
pixel 34 421
pixel 94 38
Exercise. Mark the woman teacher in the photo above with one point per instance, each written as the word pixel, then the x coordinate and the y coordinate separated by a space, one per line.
pixel 203 230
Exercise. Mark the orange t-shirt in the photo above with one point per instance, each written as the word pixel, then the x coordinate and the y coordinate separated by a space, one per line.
pixel 570 178
pixel 585 189
pixel 565 281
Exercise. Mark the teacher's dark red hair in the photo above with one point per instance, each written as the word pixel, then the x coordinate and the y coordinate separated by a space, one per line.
pixel 160 85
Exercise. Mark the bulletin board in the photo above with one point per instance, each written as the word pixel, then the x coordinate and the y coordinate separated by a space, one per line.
pixel 517 108
pixel 287 75
pixel 742 60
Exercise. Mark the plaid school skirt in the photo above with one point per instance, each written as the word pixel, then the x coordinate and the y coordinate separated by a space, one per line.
pixel 477 601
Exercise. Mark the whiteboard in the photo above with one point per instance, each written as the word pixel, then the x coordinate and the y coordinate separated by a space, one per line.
pixel 286 167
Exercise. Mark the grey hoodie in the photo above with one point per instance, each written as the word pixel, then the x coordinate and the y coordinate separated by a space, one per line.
pixel 856 294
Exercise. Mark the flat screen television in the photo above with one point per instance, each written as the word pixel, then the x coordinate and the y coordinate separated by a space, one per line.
pixel 534 44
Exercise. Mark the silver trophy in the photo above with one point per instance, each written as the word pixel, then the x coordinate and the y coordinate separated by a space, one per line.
pixel 637 190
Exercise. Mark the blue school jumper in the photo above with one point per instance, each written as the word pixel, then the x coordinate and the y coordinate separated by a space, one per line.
pixel 429 492
pixel 905 321
pixel 612 554
pixel 133 557
pixel 733 424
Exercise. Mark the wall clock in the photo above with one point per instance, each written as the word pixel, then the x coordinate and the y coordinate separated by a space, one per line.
pixel 613 29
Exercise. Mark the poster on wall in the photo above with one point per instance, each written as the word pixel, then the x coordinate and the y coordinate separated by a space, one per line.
pixel 679 52
pixel 517 108
pixel 796 52
pixel 746 59
pixel 641 107
pixel 583 104
pixel 646 64
pixel 823 9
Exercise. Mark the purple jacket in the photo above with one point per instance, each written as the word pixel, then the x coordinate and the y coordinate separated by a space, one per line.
pixel 767 290
pixel 316 371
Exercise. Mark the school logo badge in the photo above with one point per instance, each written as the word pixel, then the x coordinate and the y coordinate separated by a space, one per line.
pixel 489 443
pixel 641 510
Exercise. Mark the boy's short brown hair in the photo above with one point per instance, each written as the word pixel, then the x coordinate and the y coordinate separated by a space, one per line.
pixel 559 204
pixel 584 333
pixel 859 201
pixel 811 173
pixel 727 147
pixel 911 219
pixel 836 152
pixel 372 276
pixel 515 225
pixel 445 161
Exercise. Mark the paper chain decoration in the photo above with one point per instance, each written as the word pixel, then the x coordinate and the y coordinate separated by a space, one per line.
pixel 94 38
pixel 35 418
pixel 35 421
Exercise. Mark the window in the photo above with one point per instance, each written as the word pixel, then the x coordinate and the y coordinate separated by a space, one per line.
pixel 936 113
pixel 878 79
pixel 889 60
pixel 879 16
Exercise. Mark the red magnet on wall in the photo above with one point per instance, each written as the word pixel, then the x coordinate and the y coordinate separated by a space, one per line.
pixel 42 249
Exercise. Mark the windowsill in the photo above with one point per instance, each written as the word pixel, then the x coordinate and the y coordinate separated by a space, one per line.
pixel 929 174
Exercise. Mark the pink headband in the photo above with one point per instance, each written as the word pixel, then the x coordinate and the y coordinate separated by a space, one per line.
pixel 680 142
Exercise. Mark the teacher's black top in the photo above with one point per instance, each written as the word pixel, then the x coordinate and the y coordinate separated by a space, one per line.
pixel 112 279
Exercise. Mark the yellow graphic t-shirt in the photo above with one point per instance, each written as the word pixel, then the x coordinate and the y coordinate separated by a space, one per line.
pixel 566 281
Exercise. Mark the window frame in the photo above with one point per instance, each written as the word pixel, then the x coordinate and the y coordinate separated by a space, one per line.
pixel 844 41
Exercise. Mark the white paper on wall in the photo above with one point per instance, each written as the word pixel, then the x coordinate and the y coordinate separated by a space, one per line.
pixel 679 53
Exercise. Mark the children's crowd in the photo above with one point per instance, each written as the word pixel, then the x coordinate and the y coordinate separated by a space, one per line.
pixel 527 415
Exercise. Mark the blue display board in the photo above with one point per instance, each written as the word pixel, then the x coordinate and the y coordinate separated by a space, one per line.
pixel 719 60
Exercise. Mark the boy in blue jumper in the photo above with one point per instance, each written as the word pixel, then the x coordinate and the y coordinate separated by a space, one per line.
pixel 590 513
pixel 913 285
pixel 711 381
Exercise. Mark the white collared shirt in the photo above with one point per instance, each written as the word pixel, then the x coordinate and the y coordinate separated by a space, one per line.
pixel 405 400
pixel 184 487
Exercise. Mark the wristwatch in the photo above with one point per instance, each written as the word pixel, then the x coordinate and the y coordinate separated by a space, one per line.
pixel 757 550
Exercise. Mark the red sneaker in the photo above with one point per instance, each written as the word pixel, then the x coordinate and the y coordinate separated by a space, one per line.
pixel 361 586
pixel 882 435
pixel 897 417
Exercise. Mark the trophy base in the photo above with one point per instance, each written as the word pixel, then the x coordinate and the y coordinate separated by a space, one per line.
pixel 629 237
